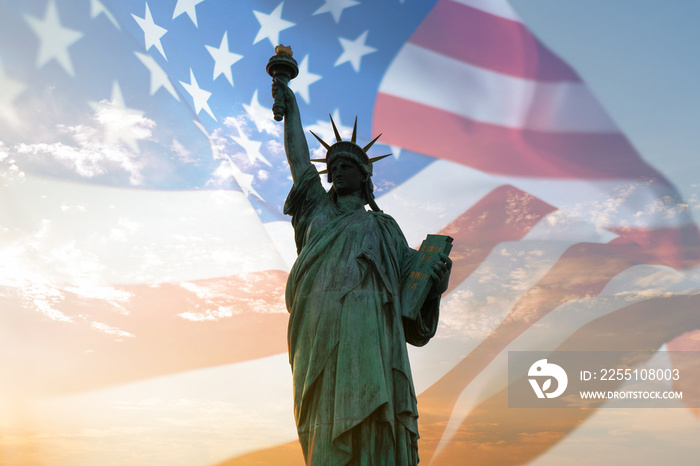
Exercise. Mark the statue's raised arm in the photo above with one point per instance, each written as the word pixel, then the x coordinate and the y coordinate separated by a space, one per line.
pixel 282 67
pixel 295 145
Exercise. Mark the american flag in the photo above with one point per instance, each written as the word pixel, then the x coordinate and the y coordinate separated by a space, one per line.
pixel 144 252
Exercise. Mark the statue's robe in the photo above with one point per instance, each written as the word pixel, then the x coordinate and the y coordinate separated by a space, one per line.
pixel 354 400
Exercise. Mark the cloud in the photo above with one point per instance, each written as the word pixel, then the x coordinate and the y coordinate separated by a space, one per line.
pixel 105 144
pixel 213 300
pixel 275 147
pixel 546 438
pixel 263 175
pixel 111 330
pixel 667 207
pixel 633 203
pixel 221 312
pixel 239 122
pixel 120 125
pixel 9 171
pixel 519 208
pixel 126 229
pixel 222 175
pixel 41 274
pixel 649 281
pixel 181 152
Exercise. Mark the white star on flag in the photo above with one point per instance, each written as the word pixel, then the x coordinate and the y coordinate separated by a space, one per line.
pixel 151 31
pixel 54 38
pixel 187 6
pixel 302 82
pixel 159 77
pixel 354 50
pixel 261 116
pixel 199 96
pixel 223 59
pixel 271 25
pixel 335 8
pixel 244 180
pixel 251 147
pixel 118 119
pixel 97 9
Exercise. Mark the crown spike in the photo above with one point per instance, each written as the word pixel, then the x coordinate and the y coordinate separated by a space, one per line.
pixel 374 159
pixel 323 143
pixel 335 130
pixel 366 148
pixel 354 131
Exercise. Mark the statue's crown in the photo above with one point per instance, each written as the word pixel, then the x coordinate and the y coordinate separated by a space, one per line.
pixel 347 149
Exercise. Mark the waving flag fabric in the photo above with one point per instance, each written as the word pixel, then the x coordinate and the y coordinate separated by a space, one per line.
pixel 144 252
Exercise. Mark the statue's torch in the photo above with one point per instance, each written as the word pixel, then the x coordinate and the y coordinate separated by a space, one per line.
pixel 283 67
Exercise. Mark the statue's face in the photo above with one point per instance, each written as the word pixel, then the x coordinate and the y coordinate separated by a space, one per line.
pixel 347 176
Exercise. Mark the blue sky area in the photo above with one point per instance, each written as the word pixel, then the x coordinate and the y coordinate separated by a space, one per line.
pixel 641 58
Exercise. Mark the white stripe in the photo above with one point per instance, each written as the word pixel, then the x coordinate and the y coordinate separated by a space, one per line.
pixel 494 7
pixel 610 203
pixel 561 226
pixel 80 234
pixel 432 79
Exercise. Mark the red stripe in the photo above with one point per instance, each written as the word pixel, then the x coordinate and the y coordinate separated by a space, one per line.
pixel 506 151
pixel 56 357
pixel 490 42
pixel 677 247
pixel 505 214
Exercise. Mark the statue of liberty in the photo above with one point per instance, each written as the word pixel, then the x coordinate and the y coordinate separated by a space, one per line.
pixel 354 400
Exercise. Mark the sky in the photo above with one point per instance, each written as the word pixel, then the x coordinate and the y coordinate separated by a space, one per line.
pixel 640 58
